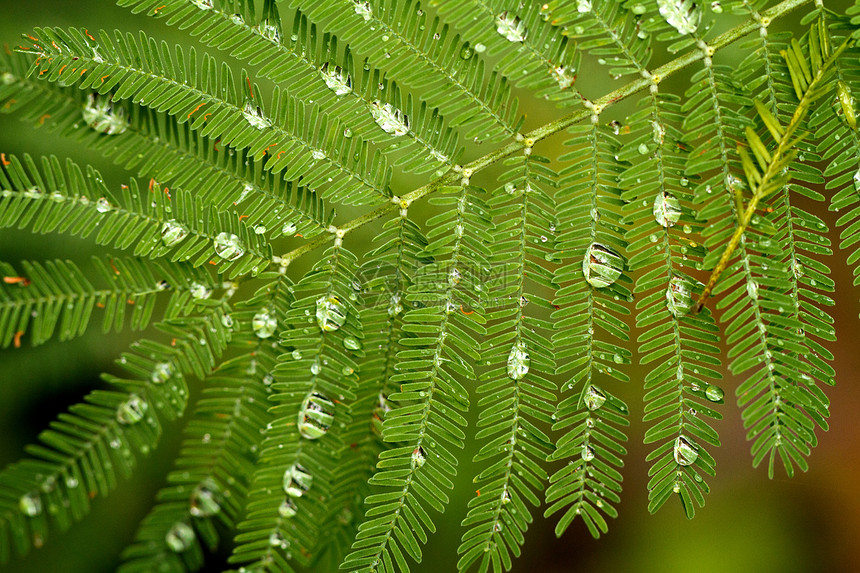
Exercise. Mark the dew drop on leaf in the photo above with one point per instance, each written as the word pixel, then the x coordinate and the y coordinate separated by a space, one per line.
pixel 336 79
pixel 594 398
pixel 364 10
pixel 254 115
pixel 685 451
pixel 331 313
pixel 297 481
pixel 264 324
pixel 162 372
pixel 587 453
pixel 678 297
pixel 30 504
pixel 228 246
pixel 518 361
pixel 315 416
pixel 288 508
pixel 389 118
pixel 132 410
pixel 667 209
pixel 683 15
pixel 204 500
pixel 172 232
pixel 418 457
pixel 179 537
pixel 511 28
pixel 714 393
pixel 601 265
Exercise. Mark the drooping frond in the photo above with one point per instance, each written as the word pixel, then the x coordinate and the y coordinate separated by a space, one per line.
pixel 57 296
pixel 425 422
pixel 297 139
pixel 86 450
pixel 154 223
pixel 357 93
pixel 681 346
pixel 314 391
pixel 517 396
pixel 212 473
pixel 420 52
pixel 176 154
pixel 589 331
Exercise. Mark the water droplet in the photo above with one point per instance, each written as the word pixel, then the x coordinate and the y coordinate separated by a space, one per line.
pixel 203 4
pixel 752 289
pixel 30 504
pixel 162 372
pixel 364 10
pixel 351 343
pixel 100 114
pixel 132 410
pixel 714 393
pixel 601 265
pixel 7 78
pixel 587 453
pixel 264 324
pixel 389 118
pixel 643 149
pixel 179 537
pixel 667 209
pixel 228 246
pixel 315 416
pixel 331 313
pixel 716 8
pixel 199 291
pixel 204 500
pixel 103 205
pixel 347 132
pixel 336 79
pixel 289 228
pixel 316 368
pixel 418 457
pixel 685 451
pixel 583 6
pixel 480 48
pixel 270 31
pixel 682 15
pixel 466 52
pixel 254 115
pixel 172 232
pixel 594 398
pixel 297 480
pixel 518 361
pixel 678 296
pixel 288 508
pixel 512 29
pixel 562 77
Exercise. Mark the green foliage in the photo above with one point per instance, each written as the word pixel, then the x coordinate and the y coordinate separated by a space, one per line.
pixel 336 401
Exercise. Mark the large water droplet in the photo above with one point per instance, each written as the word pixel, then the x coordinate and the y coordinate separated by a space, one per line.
pixel 199 291
pixel 297 480
pixel 752 289
pixel 714 393
pixel 132 410
pixel 683 15
pixel 667 209
pixel 601 265
pixel 270 31
pixel 583 6
pixel 518 361
pixel 172 232
pixel 288 508
pixel 228 246
pixel 30 504
pixel 587 453
pixel 254 115
pixel 161 373
pixel 336 79
pixel 594 398
pixel 103 205
pixel 511 28
pixel 100 114
pixel 685 451
pixel 204 500
pixel 364 10
pixel 331 313
pixel 315 416
pixel 678 296
pixel 179 537
pixel 389 118
pixel 203 4
pixel 264 324
pixel 351 343
pixel 418 457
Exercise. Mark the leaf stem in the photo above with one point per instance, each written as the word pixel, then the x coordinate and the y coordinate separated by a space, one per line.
pixel 553 127
pixel 777 163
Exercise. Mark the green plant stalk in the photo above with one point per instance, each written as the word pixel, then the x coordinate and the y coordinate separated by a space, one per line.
pixel 551 128
pixel 784 148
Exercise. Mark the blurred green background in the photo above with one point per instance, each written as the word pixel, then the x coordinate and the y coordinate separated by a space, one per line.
pixel 809 523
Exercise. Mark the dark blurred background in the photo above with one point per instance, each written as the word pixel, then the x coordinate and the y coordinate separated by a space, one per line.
pixel 810 523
